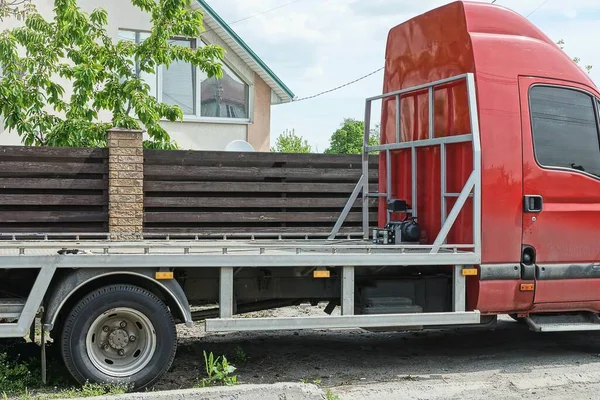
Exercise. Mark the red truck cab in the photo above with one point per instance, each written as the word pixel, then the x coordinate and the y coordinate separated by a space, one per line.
pixel 540 154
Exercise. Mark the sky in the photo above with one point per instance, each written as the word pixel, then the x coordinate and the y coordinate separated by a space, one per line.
pixel 316 45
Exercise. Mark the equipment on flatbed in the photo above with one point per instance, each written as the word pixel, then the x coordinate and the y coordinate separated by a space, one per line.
pixel 455 247
pixel 398 232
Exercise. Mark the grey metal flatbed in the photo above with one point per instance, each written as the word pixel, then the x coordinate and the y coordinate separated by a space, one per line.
pixel 231 252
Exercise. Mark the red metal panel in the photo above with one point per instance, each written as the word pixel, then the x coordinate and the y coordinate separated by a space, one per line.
pixel 567 290
pixel 497 45
pixel 422 50
pixel 503 297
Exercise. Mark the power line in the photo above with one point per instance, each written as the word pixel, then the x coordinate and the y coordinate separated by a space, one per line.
pixel 264 12
pixel 374 72
pixel 339 87
pixel 538 7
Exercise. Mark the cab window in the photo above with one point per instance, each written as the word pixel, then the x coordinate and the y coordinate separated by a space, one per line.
pixel 565 129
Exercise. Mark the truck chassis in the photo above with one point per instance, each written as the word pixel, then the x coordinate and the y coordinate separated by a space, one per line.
pixel 147 256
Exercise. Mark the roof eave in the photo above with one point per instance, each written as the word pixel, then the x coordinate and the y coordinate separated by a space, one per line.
pixel 223 30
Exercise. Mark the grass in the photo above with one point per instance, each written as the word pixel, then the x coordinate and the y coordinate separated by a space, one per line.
pixel 20 377
pixel 329 395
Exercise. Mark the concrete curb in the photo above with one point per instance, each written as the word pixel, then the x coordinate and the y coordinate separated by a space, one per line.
pixel 277 391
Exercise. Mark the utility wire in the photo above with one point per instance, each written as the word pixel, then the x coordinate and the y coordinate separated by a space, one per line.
pixel 264 12
pixel 374 72
pixel 339 87
pixel 538 7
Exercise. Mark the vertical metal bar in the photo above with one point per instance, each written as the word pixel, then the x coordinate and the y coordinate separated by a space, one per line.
pixel 443 180
pixel 388 180
pixel 398 119
pixel 43 355
pixel 414 181
pixel 459 290
pixel 431 111
pixel 473 109
pixel 348 291
pixel 458 206
pixel 365 171
pixel 34 300
pixel 340 221
pixel 226 293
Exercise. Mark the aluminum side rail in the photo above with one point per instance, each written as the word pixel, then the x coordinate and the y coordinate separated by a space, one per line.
pixel 116 261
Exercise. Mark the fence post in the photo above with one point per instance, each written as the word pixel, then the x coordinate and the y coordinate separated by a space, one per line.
pixel 125 183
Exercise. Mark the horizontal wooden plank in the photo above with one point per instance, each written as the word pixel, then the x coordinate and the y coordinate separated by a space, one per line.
pixel 36 153
pixel 248 187
pixel 250 202
pixel 53 228
pixel 52 216
pixel 249 229
pixel 51 168
pixel 249 173
pixel 183 157
pixel 248 217
pixel 53 200
pixel 47 183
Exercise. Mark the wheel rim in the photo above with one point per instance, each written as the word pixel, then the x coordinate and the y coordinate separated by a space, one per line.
pixel 121 342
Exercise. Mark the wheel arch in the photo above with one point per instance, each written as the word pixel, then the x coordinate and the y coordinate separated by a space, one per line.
pixel 72 285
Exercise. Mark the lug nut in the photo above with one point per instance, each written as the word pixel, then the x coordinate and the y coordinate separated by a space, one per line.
pixel 121 352
pixel 132 338
pixel 123 324
pixel 105 328
pixel 105 346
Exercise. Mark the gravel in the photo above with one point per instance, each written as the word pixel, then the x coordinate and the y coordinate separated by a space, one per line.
pixel 506 362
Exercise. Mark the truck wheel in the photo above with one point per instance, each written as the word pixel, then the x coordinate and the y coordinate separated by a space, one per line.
pixel 119 334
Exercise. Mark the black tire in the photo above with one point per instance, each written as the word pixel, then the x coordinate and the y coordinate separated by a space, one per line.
pixel 78 322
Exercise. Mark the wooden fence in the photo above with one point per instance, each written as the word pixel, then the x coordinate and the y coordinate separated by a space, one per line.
pixel 228 192
pixel 65 190
pixel 48 190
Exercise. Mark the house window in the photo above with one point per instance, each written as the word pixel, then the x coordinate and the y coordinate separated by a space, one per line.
pixel 565 129
pixel 198 96
pixel 226 97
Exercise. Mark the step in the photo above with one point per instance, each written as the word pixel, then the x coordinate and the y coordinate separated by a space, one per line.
pixel 342 321
pixel 564 322
pixel 11 308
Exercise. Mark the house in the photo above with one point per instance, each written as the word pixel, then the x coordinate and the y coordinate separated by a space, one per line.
pixel 216 112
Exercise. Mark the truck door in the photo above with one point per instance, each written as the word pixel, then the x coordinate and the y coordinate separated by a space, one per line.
pixel 561 188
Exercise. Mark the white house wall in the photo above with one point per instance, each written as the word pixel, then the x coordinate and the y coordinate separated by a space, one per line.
pixel 188 134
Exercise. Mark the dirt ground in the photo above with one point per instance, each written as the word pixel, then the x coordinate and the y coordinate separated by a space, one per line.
pixel 507 362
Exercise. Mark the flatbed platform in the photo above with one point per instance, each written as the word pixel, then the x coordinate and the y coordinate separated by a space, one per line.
pixel 228 253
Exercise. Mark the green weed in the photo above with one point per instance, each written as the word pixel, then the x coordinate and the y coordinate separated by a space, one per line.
pixel 218 371
pixel 329 395
pixel 240 357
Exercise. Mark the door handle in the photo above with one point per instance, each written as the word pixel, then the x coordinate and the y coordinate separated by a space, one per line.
pixel 533 204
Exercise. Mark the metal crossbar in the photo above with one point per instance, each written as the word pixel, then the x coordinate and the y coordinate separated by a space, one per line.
pixel 471 189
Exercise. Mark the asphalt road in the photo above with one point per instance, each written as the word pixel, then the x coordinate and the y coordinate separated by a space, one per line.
pixel 507 362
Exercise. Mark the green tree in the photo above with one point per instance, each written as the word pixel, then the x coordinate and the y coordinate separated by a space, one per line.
pixel 74 49
pixel 577 60
pixel 289 142
pixel 348 139
pixel 15 8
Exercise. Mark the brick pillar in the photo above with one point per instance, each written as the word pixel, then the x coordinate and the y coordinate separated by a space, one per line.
pixel 125 183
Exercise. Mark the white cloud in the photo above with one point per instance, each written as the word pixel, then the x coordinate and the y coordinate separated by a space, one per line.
pixel 314 45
